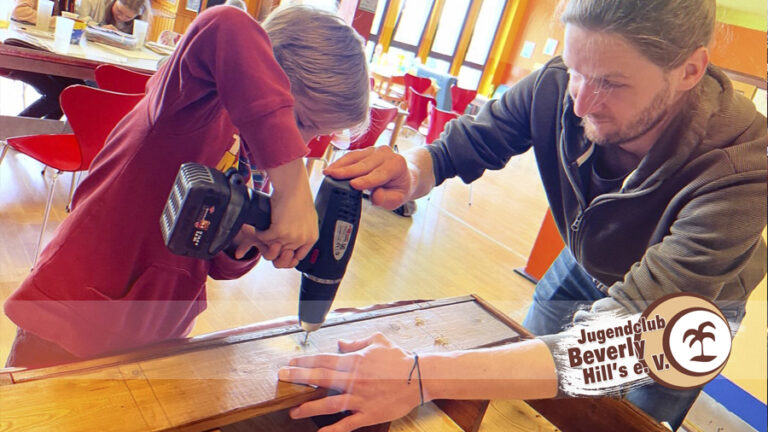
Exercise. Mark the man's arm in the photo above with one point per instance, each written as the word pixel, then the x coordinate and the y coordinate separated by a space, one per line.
pixel 714 241
pixel 373 376
pixel 467 148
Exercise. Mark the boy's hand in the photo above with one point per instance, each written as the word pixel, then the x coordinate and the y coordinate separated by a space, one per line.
pixel 294 228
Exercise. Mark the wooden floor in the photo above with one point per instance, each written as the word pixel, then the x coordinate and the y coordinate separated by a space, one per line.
pixel 448 248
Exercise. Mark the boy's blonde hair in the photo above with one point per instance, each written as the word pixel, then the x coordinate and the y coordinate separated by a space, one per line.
pixel 325 63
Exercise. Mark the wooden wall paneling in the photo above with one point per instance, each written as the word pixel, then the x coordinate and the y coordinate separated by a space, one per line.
pixel 163 18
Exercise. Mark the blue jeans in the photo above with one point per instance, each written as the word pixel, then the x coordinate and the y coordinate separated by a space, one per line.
pixel 559 294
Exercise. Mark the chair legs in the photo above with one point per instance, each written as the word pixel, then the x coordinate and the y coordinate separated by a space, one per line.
pixel 72 190
pixel 45 217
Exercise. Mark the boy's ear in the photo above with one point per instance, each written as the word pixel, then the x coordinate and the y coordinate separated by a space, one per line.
pixel 693 69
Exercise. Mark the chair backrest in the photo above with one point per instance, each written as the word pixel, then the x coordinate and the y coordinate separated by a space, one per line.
pixel 460 99
pixel 417 108
pixel 437 120
pixel 93 113
pixel 380 118
pixel 420 84
pixel 122 80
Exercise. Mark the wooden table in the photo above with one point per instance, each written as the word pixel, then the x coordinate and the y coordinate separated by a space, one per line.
pixel 79 62
pixel 228 377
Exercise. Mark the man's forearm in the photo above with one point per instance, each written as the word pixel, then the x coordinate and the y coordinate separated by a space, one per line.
pixel 422 172
pixel 523 370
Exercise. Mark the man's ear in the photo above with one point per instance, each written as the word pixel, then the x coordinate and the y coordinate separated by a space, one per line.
pixel 693 69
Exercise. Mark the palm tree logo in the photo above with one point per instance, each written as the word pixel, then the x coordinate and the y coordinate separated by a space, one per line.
pixel 698 335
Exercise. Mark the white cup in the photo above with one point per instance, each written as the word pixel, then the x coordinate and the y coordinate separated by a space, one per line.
pixel 140 32
pixel 63 34
pixel 44 11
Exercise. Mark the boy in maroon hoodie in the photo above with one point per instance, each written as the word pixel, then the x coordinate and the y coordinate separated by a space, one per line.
pixel 106 282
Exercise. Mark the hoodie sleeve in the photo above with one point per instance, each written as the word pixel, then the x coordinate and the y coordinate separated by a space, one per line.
pixel 502 129
pixel 714 241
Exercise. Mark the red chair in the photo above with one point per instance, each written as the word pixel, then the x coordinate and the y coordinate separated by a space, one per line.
pixel 380 118
pixel 318 151
pixel 417 108
pixel 92 114
pixel 461 98
pixel 122 80
pixel 417 83
pixel 420 84
pixel 437 120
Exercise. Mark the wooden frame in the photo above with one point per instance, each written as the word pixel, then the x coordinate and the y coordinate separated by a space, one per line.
pixel 227 377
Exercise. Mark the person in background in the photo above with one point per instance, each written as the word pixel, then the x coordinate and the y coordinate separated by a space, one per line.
pixel 48 86
pixel 106 282
pixel 114 14
pixel 237 3
pixel 655 172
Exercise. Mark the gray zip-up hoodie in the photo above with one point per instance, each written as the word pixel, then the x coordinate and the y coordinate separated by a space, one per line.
pixel 688 219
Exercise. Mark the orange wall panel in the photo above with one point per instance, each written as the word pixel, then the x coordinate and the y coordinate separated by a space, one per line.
pixel 740 49
pixel 538 25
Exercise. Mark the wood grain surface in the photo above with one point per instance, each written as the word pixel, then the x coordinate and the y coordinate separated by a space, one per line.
pixel 208 383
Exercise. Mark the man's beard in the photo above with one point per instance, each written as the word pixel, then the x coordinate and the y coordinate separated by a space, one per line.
pixel 648 118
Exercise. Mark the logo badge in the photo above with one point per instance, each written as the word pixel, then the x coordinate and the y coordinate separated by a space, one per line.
pixel 695 344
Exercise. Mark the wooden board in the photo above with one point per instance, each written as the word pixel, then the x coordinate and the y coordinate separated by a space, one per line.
pixel 229 377
pixel 211 382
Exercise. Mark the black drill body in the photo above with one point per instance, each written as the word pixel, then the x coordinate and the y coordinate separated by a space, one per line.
pixel 206 208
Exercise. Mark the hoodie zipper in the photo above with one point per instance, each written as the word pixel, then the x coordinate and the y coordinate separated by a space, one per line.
pixel 574 234
pixel 579 196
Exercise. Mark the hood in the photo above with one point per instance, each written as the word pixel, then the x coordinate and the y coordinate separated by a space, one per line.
pixel 715 118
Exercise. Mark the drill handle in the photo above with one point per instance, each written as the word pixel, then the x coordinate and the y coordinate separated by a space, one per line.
pixel 259 211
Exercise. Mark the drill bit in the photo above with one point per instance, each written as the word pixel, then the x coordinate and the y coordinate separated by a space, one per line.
pixel 306 336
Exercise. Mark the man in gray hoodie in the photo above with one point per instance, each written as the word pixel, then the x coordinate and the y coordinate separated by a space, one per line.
pixel 655 172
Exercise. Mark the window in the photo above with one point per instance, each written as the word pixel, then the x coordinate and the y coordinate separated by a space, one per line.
pixel 449 28
pixel 410 24
pixel 481 42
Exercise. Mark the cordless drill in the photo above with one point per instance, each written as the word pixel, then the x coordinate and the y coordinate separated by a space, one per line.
pixel 206 209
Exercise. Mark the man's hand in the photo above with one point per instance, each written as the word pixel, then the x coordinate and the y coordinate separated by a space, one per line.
pixel 372 375
pixel 378 169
